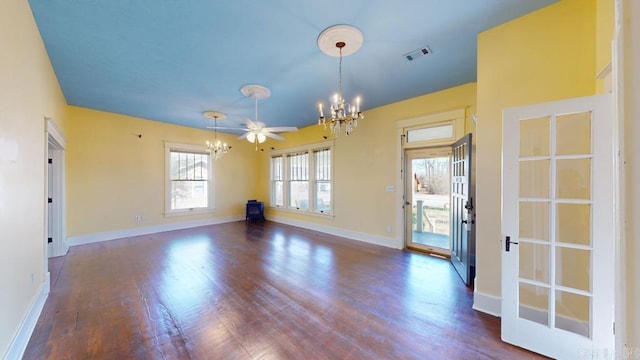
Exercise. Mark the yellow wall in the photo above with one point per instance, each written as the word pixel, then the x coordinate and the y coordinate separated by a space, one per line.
pixel 365 163
pixel 546 55
pixel 605 19
pixel 113 175
pixel 29 91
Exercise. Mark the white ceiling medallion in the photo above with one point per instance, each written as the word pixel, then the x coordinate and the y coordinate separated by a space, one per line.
pixel 257 92
pixel 350 35
pixel 215 115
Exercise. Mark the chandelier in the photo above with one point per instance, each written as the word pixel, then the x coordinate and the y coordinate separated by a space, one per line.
pixel 340 40
pixel 216 148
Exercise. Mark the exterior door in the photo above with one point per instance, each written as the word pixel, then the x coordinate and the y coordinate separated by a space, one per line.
pixel 427 199
pixel 558 228
pixel 462 220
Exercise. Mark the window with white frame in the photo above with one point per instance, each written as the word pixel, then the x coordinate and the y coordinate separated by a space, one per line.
pixel 298 180
pixel 301 178
pixel 322 180
pixel 277 181
pixel 188 179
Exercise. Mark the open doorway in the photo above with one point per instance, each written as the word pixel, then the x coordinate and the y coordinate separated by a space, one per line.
pixel 428 196
pixel 55 211
pixel 437 179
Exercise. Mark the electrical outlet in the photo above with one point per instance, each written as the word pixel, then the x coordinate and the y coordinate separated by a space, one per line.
pixel 139 218
pixel 389 228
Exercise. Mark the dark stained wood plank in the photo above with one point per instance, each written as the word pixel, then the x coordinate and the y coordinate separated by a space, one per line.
pixel 259 291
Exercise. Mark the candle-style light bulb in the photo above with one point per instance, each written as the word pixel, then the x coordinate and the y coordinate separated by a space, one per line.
pixel 320 109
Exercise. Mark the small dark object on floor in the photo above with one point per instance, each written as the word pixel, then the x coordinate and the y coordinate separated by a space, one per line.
pixel 255 210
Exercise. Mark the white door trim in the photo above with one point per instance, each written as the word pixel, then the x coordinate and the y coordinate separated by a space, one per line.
pixel 456 118
pixel 56 143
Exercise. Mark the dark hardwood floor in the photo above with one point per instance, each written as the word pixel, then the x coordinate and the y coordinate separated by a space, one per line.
pixel 259 291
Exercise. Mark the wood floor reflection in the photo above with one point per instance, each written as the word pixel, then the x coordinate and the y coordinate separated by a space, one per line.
pixel 258 291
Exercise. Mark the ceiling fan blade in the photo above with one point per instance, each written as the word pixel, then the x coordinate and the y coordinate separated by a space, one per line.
pixel 273 136
pixel 226 128
pixel 281 128
pixel 251 124
pixel 244 136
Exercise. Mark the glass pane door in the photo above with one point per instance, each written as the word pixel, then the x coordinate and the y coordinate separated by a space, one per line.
pixel 557 225
pixel 554 221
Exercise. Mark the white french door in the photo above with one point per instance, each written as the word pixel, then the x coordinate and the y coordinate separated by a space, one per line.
pixel 558 228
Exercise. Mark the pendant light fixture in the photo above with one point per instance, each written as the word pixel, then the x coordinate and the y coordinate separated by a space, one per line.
pixel 216 148
pixel 340 40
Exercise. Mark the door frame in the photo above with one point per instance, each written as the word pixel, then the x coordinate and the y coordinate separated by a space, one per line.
pixel 54 149
pixel 456 118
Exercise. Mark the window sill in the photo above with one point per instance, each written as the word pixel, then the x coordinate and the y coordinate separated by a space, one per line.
pixel 184 212
pixel 302 212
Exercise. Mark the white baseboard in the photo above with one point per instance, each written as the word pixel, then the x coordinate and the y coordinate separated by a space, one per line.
pixel 118 234
pixel 487 304
pixel 20 341
pixel 349 234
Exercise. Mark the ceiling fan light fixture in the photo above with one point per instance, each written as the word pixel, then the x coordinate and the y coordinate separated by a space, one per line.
pixel 256 131
pixel 340 40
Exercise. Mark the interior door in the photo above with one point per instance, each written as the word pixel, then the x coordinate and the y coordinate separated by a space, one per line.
pixel 558 228
pixel 462 220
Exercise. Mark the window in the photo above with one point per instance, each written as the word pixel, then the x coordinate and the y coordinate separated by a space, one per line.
pixel 323 180
pixel 301 179
pixel 298 181
pixel 277 181
pixel 189 180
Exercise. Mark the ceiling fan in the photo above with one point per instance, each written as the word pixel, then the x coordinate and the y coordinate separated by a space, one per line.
pixel 256 131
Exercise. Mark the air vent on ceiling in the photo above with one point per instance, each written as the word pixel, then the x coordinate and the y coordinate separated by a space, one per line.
pixel 417 53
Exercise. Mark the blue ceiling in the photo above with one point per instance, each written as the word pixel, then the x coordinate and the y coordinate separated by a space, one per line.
pixel 170 60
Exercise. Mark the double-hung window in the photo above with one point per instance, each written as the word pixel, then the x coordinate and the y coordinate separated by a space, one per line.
pixel 322 180
pixel 301 178
pixel 298 181
pixel 188 179
pixel 277 181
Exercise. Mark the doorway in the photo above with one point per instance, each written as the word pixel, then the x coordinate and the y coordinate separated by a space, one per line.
pixel 428 200
pixel 55 238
